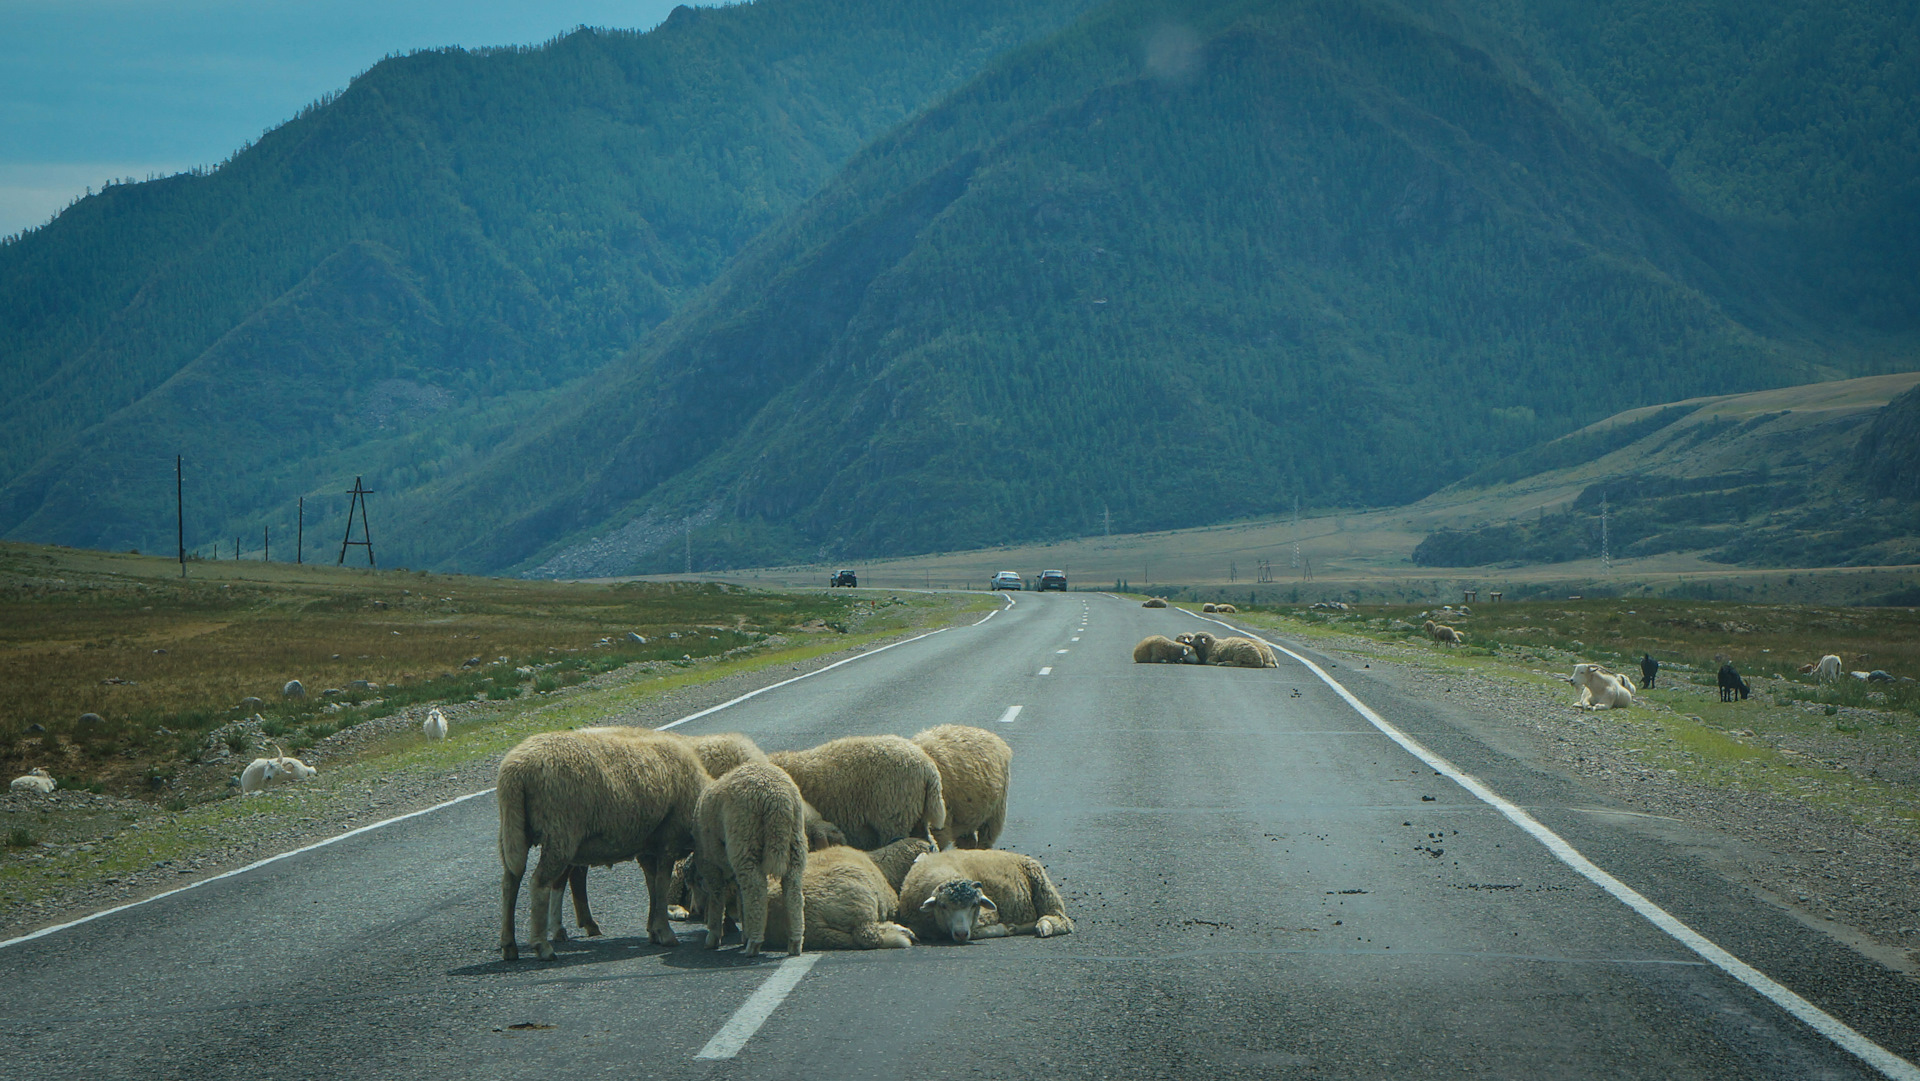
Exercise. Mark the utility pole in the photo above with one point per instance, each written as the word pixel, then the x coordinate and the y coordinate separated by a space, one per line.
pixel 1106 520
pixel 180 515
pixel 359 502
pixel 236 549
pixel 300 533
pixel 1296 531
pixel 266 545
pixel 687 523
pixel 1606 550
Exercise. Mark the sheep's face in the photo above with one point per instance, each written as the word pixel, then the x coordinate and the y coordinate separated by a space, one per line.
pixel 38 771
pixel 296 768
pixel 1187 655
pixel 957 907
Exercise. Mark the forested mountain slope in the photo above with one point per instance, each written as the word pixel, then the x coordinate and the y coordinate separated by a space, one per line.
pixel 1182 262
pixel 388 283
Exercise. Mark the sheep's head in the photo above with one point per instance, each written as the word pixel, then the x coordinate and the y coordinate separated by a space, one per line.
pixel 39 771
pixel 1187 655
pixel 296 768
pixel 957 906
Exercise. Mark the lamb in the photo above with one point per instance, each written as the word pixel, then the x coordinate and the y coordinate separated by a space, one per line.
pixel 875 788
pixel 1159 649
pixel 1601 689
pixel 1155 602
pixel 1731 684
pixel 1443 634
pixel 966 894
pixel 974 765
pixel 1828 669
pixel 34 780
pixel 850 903
pixel 594 797
pixel 747 828
pixel 262 772
pixel 435 726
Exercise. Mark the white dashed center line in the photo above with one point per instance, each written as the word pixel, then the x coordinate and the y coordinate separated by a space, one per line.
pixel 1005 718
pixel 759 1006
pixel 1076 638
pixel 1059 651
pixel 1046 671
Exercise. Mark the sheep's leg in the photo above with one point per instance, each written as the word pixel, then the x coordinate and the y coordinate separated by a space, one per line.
pixel 509 896
pixel 751 887
pixel 658 870
pixel 557 914
pixel 718 904
pixel 582 915
pixel 990 829
pixel 790 886
pixel 549 874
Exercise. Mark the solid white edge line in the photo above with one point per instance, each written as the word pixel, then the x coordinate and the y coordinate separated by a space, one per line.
pixel 759 1006
pixel 996 611
pixel 1010 714
pixel 44 931
pixel 1815 1018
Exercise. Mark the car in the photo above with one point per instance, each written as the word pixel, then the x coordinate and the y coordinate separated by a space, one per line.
pixel 1052 580
pixel 1007 580
pixel 843 578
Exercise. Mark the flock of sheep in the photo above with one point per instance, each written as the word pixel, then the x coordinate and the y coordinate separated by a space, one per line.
pixel 865 842
pixel 1200 647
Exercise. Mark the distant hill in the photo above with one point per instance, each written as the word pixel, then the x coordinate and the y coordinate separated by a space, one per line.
pixel 387 284
pixel 1181 263
pixel 1811 476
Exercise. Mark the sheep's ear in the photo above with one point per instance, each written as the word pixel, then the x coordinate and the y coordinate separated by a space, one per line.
pixel 985 901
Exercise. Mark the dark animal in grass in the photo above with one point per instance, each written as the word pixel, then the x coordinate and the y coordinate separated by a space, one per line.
pixel 1648 669
pixel 1731 684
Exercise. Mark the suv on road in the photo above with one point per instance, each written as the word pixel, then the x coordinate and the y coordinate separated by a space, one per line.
pixel 843 578
pixel 1052 580
pixel 1007 580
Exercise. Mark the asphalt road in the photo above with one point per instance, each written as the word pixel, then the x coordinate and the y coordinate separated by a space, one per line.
pixel 1264 885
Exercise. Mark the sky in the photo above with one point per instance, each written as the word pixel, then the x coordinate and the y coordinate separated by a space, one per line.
pixel 92 90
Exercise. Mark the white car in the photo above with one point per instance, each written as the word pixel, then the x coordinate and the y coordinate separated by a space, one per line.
pixel 1008 580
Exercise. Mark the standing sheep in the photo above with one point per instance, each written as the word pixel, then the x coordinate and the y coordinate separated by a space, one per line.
pixel 1649 668
pixel 875 788
pixel 1731 684
pixel 974 766
pixel 1159 649
pixel 851 904
pixel 1443 634
pixel 435 726
pixel 594 797
pixel 747 827
pixel 1828 669
pixel 981 894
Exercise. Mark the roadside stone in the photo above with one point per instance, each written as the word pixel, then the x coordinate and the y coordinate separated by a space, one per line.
pixel 90 718
pixel 293 689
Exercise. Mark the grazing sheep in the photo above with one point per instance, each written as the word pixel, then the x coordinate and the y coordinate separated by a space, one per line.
pixel 1828 669
pixel 1159 649
pixel 850 904
pixel 1731 684
pixel 262 772
pixel 747 828
pixel 1444 634
pixel 1649 668
pixel 34 780
pixel 594 797
pixel 963 895
pixel 435 725
pixel 974 765
pixel 1155 602
pixel 1601 689
pixel 875 788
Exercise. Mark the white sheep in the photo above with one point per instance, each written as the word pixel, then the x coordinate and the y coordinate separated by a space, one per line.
pixel 34 780
pixel 1443 634
pixel 435 726
pixel 1828 669
pixel 1234 651
pixel 1154 602
pixel 592 798
pixel 964 894
pixel 974 766
pixel 747 827
pixel 1601 689
pixel 875 788
pixel 850 903
pixel 1159 649
pixel 263 772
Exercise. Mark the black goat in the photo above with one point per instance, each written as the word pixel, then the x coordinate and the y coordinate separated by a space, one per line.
pixel 1648 669
pixel 1731 684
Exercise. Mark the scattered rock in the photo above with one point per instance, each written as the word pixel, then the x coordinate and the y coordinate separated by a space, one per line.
pixel 36 729
pixel 471 662
pixel 361 685
pixel 90 718
pixel 293 689
pixel 250 704
pixel 636 638
pixel 330 692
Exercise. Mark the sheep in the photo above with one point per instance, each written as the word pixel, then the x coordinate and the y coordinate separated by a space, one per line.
pixel 974 765
pixel 1199 641
pixel 1159 649
pixel 1648 669
pixel 1241 653
pixel 1601 689
pixel 1155 602
pixel 1226 609
pixel 1828 669
pixel 34 780
pixel 435 726
pixel 262 772
pixel 850 903
pixel 875 788
pixel 1731 684
pixel 1443 634
pixel 747 828
pixel 967 894
pixel 1209 607
pixel 594 797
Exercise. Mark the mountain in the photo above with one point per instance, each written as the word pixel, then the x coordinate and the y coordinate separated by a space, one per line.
pixel 389 283
pixel 1809 476
pixel 1180 263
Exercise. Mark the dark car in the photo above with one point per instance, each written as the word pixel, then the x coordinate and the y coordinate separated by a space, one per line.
pixel 1052 580
pixel 843 578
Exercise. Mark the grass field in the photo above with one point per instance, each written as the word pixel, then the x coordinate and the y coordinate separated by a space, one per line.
pixel 161 660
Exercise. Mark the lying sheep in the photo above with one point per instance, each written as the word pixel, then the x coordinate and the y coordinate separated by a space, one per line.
pixel 875 788
pixel 1234 651
pixel 594 797
pixel 850 903
pixel 1209 607
pixel 1828 669
pixel 435 726
pixel 1155 602
pixel 964 895
pixel 34 780
pixel 1443 634
pixel 974 766
pixel 1159 649
pixel 1601 689
pixel 1226 609
pixel 262 772
pixel 747 828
